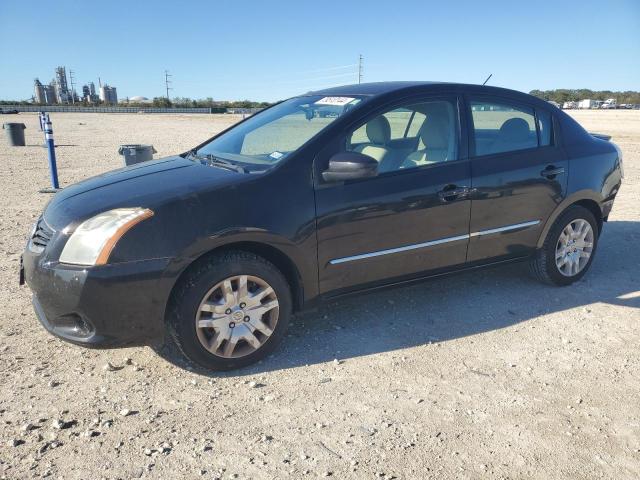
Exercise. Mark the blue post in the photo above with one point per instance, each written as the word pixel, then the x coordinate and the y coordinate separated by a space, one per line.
pixel 53 169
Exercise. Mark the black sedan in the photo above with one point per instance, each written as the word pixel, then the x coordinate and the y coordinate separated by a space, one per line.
pixel 321 195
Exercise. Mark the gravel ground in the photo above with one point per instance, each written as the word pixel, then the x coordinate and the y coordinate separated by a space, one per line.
pixel 480 375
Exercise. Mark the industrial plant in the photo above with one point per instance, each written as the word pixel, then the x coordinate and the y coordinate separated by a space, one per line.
pixel 59 92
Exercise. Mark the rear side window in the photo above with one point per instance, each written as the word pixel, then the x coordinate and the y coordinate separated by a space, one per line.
pixel 500 127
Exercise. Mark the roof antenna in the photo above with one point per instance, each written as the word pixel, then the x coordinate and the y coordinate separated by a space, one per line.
pixel 485 82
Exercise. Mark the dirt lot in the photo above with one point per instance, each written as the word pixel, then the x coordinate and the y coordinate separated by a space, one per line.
pixel 482 375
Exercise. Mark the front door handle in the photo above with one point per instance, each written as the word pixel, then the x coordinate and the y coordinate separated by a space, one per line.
pixel 551 171
pixel 452 192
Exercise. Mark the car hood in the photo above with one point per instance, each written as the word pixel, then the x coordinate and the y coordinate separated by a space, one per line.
pixel 147 184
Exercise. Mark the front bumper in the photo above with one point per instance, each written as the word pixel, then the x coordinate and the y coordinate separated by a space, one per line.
pixel 109 306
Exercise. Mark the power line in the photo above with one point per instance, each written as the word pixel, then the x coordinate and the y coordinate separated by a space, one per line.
pixel 167 82
pixel 307 75
pixel 302 81
pixel 341 67
pixel 310 77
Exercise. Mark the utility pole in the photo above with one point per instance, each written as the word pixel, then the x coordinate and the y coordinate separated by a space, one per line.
pixel 167 82
pixel 73 90
pixel 360 67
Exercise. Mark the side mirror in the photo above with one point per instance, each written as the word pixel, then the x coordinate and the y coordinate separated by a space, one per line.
pixel 350 166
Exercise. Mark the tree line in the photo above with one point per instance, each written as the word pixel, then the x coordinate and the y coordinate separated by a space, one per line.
pixel 562 95
pixel 164 102
pixel 184 102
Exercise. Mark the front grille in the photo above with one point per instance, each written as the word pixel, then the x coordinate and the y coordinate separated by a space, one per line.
pixel 41 235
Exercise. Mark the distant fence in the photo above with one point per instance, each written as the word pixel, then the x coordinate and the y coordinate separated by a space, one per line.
pixel 70 108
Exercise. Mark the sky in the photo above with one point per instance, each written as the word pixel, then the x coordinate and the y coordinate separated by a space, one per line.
pixel 269 50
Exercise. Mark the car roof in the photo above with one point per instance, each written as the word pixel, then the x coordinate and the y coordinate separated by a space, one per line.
pixel 374 88
pixel 382 88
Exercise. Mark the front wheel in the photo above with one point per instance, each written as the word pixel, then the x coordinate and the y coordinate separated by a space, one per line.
pixel 569 248
pixel 230 312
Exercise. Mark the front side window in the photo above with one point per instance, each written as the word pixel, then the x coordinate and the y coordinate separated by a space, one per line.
pixel 409 136
pixel 403 123
pixel 270 136
pixel 500 127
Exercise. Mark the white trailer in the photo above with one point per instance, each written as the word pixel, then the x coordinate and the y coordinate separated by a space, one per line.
pixel 586 104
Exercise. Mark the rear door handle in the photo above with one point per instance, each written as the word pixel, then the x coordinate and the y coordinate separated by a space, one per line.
pixel 551 171
pixel 450 193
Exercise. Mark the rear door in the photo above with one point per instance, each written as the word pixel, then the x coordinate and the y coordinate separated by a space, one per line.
pixel 519 176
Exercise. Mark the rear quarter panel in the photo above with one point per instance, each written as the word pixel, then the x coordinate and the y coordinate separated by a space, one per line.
pixel 594 174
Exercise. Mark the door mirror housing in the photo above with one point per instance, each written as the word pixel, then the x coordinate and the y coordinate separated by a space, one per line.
pixel 350 166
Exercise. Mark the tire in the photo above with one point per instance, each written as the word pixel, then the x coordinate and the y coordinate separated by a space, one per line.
pixel 543 265
pixel 196 291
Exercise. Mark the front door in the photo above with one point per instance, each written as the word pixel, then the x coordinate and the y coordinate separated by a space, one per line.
pixel 413 216
pixel 519 177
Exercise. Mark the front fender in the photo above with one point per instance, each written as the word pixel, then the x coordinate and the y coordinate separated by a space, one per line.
pixel 300 254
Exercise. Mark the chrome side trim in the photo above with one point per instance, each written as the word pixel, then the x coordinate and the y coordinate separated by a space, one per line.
pixel 398 249
pixel 415 246
pixel 506 228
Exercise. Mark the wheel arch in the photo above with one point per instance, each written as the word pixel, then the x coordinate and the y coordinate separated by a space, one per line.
pixel 270 253
pixel 594 208
pixel 584 199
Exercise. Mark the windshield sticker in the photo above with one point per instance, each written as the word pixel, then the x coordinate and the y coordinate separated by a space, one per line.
pixel 276 155
pixel 336 101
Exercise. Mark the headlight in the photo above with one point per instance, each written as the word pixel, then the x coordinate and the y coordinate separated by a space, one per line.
pixel 94 239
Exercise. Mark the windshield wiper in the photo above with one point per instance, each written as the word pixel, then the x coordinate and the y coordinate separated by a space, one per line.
pixel 212 160
pixel 219 162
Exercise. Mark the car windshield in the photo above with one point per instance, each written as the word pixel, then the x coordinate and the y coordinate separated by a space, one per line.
pixel 270 136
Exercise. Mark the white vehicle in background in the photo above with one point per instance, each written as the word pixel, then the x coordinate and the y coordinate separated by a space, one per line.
pixel 609 103
pixel 569 105
pixel 586 104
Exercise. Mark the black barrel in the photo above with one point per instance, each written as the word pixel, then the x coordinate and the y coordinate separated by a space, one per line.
pixel 15 133
pixel 136 153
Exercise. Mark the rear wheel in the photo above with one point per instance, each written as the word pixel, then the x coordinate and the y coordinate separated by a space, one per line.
pixel 569 248
pixel 230 312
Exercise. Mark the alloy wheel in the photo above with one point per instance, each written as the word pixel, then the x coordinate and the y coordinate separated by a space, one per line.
pixel 237 316
pixel 574 247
